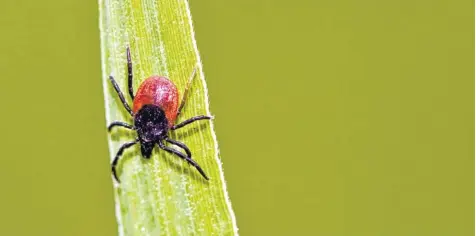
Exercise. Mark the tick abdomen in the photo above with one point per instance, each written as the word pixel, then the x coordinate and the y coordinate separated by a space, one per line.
pixel 159 91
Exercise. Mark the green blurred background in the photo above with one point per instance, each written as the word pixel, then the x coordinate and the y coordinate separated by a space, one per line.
pixel 333 117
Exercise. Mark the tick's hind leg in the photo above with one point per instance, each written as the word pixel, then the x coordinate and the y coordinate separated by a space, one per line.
pixel 181 155
pixel 118 155
pixel 129 73
pixel 185 93
pixel 121 96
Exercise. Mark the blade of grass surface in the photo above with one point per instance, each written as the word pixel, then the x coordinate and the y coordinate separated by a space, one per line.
pixel 163 195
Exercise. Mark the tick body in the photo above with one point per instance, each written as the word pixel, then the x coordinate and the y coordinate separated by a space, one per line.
pixel 159 91
pixel 155 110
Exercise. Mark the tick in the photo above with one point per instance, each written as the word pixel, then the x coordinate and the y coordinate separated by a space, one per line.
pixel 155 110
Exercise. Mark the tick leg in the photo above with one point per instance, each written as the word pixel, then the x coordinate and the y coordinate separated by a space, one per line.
pixel 121 96
pixel 118 155
pixel 181 155
pixel 184 98
pixel 180 144
pixel 202 117
pixel 120 124
pixel 129 72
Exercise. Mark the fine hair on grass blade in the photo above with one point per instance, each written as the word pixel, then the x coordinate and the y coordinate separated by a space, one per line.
pixel 163 195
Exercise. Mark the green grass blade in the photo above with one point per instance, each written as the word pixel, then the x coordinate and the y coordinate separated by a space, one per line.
pixel 163 195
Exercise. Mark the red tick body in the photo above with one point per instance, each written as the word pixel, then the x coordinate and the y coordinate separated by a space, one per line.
pixel 159 91
pixel 154 111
